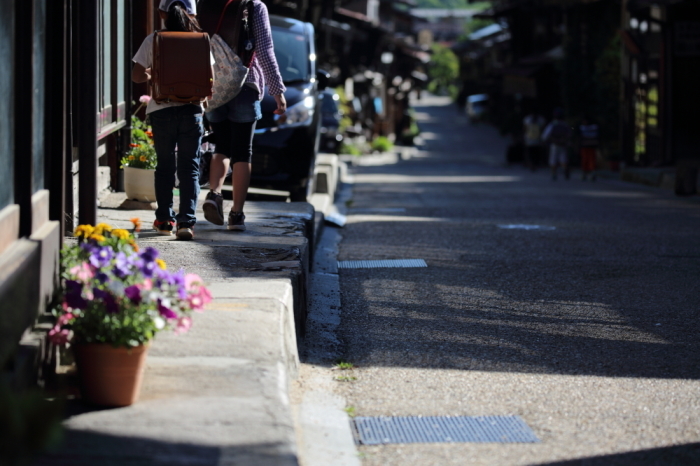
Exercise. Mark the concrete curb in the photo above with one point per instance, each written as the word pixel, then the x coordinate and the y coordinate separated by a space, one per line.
pixel 218 395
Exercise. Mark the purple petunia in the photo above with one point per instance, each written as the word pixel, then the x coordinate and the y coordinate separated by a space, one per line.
pixel 121 265
pixel 101 256
pixel 133 293
pixel 149 254
pixel 147 263
pixel 166 311
pixel 88 247
pixel 110 302
pixel 148 269
pixel 74 295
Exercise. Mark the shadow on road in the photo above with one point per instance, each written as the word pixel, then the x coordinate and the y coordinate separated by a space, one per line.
pixel 674 455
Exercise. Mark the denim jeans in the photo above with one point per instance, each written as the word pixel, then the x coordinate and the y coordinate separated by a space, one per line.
pixel 179 127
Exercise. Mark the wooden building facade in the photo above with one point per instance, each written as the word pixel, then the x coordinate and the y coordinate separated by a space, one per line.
pixel 66 102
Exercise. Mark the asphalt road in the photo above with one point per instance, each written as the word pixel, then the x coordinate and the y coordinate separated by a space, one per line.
pixel 587 328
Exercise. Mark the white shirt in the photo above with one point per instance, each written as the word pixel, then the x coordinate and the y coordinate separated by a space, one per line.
pixel 144 57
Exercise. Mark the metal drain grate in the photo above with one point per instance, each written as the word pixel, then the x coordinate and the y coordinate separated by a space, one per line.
pixel 526 227
pixel 399 263
pixel 442 429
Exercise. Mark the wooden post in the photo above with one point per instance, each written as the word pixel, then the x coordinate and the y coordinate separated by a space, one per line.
pixel 24 175
pixel 86 116
pixel 56 126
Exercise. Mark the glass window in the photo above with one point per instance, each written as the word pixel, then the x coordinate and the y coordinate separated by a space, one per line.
pixel 38 95
pixel 7 128
pixel 292 53
pixel 329 105
pixel 106 56
pixel 121 59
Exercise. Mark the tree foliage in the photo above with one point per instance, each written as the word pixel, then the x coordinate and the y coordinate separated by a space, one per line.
pixel 443 70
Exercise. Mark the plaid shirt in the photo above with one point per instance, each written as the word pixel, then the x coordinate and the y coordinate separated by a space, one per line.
pixel 264 69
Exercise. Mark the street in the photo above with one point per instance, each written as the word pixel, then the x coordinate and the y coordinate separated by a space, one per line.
pixel 571 304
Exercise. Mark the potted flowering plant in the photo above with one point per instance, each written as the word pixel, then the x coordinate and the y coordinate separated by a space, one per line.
pixel 140 161
pixel 113 300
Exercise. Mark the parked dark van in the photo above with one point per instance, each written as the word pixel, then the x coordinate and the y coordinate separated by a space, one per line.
pixel 285 146
pixel 331 136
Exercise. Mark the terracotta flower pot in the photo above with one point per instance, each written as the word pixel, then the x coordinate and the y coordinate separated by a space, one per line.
pixel 110 376
pixel 139 184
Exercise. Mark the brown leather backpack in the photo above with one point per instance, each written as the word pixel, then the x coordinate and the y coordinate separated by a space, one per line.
pixel 181 67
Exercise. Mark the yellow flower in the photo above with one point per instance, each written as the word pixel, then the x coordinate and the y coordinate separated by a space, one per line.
pixel 132 158
pixel 120 233
pixel 161 263
pixel 143 158
pixel 101 228
pixel 98 238
pixel 84 231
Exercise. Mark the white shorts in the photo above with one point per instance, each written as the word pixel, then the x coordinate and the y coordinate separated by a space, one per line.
pixel 558 155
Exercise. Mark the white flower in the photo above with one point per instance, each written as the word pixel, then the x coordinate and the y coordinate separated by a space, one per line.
pixel 159 322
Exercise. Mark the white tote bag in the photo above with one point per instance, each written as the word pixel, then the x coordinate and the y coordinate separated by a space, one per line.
pixel 230 72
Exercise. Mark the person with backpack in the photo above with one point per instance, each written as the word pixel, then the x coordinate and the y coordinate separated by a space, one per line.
pixel 588 132
pixel 234 122
pixel 558 135
pixel 177 129
pixel 533 124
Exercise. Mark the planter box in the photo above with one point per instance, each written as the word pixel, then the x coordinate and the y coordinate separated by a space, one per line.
pixel 139 184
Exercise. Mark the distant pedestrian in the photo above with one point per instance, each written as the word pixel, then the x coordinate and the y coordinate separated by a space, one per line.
pixel 533 124
pixel 558 135
pixel 588 132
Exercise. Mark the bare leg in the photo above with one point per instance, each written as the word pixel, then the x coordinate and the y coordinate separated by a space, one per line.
pixel 241 182
pixel 217 172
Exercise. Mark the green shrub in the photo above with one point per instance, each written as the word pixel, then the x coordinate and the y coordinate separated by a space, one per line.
pixel 350 148
pixel 382 144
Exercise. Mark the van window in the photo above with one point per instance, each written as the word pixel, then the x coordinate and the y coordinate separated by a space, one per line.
pixel 329 105
pixel 292 53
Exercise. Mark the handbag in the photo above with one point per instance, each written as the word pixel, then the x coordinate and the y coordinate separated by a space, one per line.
pixel 230 72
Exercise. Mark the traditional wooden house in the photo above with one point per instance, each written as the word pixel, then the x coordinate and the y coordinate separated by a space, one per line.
pixel 660 65
pixel 66 94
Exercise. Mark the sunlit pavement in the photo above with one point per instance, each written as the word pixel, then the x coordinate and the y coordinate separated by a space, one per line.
pixel 586 327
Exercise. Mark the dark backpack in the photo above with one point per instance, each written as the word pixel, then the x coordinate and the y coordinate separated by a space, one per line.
pixel 237 30
pixel 560 134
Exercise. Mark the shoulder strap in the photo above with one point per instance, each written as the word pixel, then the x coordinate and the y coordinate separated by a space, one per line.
pixel 249 32
pixel 221 18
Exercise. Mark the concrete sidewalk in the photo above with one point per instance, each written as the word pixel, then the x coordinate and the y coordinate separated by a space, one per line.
pixel 219 394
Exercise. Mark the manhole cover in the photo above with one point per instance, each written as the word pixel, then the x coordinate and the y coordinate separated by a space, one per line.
pixel 442 429
pixel 386 264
